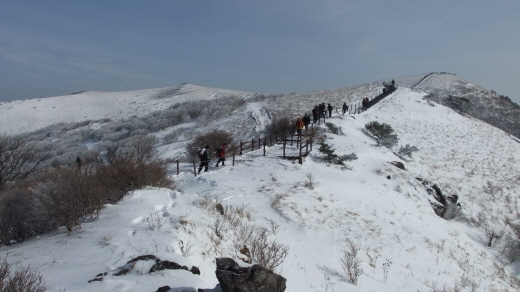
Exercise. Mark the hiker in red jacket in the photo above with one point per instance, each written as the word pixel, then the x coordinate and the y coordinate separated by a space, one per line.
pixel 221 154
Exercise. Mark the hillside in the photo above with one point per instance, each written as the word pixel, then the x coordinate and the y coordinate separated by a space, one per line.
pixel 471 99
pixel 34 114
pixel 382 210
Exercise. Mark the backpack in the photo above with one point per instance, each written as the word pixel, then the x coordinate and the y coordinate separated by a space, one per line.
pixel 219 150
pixel 201 153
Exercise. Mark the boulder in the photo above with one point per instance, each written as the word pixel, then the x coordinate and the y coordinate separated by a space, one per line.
pixel 444 206
pixel 398 164
pixel 235 278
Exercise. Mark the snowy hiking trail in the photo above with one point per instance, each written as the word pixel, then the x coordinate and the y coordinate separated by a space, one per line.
pixel 404 245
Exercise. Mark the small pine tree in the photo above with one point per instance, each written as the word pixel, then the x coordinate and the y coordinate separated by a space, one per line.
pixel 383 133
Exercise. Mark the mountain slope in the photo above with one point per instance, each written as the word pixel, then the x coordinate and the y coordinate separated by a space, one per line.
pixel 483 104
pixel 380 209
pixel 34 114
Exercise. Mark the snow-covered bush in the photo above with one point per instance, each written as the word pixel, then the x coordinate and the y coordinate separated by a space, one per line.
pixel 383 133
pixel 20 279
pixel 350 263
pixel 267 253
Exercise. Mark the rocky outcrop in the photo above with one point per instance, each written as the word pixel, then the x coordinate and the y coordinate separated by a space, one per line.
pixel 234 278
pixel 444 206
pixel 158 266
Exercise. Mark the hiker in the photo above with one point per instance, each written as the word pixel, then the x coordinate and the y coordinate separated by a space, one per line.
pixel 329 107
pixel 393 83
pixel 221 154
pixel 322 110
pixel 345 108
pixel 315 114
pixel 79 162
pixel 364 103
pixel 299 126
pixel 204 158
pixel 306 121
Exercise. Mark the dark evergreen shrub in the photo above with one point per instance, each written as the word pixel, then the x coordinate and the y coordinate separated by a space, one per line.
pixel 383 133
pixel 334 129
pixel 332 157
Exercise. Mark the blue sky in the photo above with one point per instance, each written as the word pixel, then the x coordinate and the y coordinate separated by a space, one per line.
pixel 50 48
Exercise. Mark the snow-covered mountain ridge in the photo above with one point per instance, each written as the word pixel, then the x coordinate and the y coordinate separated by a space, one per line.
pixel 34 114
pixel 382 210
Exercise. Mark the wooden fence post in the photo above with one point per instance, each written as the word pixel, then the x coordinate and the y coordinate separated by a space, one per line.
pixel 265 141
pixel 233 158
pixel 194 168
pixel 252 144
pixel 300 157
pixel 178 170
pixel 284 144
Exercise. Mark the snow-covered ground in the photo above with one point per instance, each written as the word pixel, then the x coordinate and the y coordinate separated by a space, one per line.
pixel 378 208
pixel 93 105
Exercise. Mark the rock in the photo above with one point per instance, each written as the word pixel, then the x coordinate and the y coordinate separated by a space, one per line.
pixel 398 164
pixel 220 209
pixel 233 278
pixel 163 289
pixel 158 266
pixel 195 270
pixel 444 206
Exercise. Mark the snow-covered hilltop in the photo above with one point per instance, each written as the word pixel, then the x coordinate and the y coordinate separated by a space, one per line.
pixel 317 211
pixel 34 114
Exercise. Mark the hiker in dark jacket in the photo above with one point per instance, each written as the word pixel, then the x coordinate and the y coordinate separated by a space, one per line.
pixel 221 154
pixel 329 107
pixel 306 121
pixel 204 158
pixel 322 110
pixel 345 107
pixel 315 114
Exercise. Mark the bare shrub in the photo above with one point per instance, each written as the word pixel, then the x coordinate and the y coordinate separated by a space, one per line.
pixel 70 194
pixel 139 149
pixel 155 220
pixel 279 127
pixel 350 263
pixel 492 232
pixel 268 254
pixel 20 217
pixel 309 182
pixel 512 243
pixel 316 134
pixel 124 175
pixel 20 279
pixel 18 160
pixel 186 248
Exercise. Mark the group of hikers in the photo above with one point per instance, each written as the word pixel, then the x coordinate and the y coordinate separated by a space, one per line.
pixel 319 111
pixel 205 156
